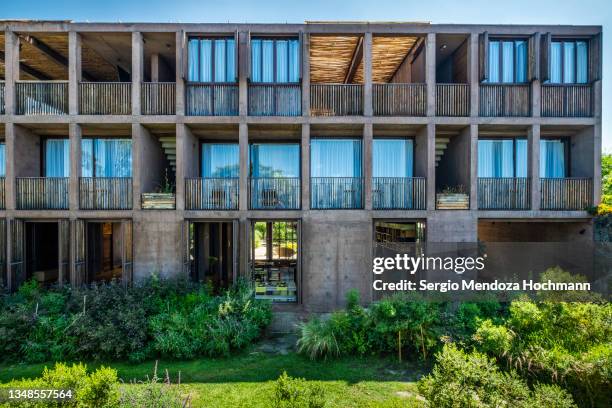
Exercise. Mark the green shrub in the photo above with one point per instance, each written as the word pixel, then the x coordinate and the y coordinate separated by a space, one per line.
pixel 292 392
pixel 318 339
pixel 153 393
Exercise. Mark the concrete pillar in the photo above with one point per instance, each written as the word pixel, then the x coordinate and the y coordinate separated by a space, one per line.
pixel 536 85
pixel 137 70
pixel 181 62
pixel 473 75
pixel 367 74
pixel 243 73
pixel 138 165
pixel 597 141
pixel 305 154
pixel 533 164
pixel 182 143
pixel 11 71
pixel 426 162
pixel 75 135
pixel 243 191
pixel 155 61
pixel 74 71
pixel 367 165
pixel 473 163
pixel 305 74
pixel 9 181
pixel 430 73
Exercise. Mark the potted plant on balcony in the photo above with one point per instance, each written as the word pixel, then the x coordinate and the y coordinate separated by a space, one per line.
pixel 453 198
pixel 163 198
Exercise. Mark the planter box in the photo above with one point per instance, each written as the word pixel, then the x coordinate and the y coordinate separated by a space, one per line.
pixel 158 201
pixel 452 201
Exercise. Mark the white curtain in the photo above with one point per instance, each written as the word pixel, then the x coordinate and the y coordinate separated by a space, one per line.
pixel 57 158
pixel 335 158
pixel 275 159
pixel 220 160
pixel 392 158
pixel 552 159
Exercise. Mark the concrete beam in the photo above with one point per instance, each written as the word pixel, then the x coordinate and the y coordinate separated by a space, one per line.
pixel 473 166
pixel 75 136
pixel 9 180
pixel 305 154
pixel 137 71
pixel 180 73
pixel 74 71
pixel 305 75
pixel 367 164
pixel 11 71
pixel 367 74
pixel 243 73
pixel 473 77
pixel 243 190
pixel 139 167
pixel 430 73
pixel 533 164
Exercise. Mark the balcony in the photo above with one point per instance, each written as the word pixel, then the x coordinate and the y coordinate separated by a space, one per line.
pixel 42 193
pixel 398 193
pixel 567 101
pixel 105 193
pixel 42 97
pixel 275 99
pixel 158 98
pixel 279 193
pixel 336 192
pixel 452 100
pixel 336 99
pixel 2 107
pixel 505 100
pixel 575 193
pixel 205 99
pixel 211 193
pixel 504 193
pixel 399 99
pixel 105 98
pixel 2 194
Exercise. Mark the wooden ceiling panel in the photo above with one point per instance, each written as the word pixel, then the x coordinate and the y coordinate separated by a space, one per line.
pixel 39 61
pixel 387 55
pixel 330 58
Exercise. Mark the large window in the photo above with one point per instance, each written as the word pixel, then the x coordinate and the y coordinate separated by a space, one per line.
pixel 220 160
pixel 392 158
pixel 275 160
pixel 508 61
pixel 57 158
pixel 568 62
pixel 106 158
pixel 212 60
pixel 275 60
pixel 2 159
pixel 553 158
pixel 335 158
pixel 502 158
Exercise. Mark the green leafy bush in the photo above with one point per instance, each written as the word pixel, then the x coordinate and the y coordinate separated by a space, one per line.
pixel 292 392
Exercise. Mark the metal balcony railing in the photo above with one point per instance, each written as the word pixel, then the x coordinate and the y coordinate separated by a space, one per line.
pixel 398 193
pixel 575 193
pixel 41 97
pixel 504 193
pixel 336 99
pixel 211 193
pixel 452 99
pixel 505 100
pixel 274 193
pixel 568 101
pixel 275 99
pixel 158 98
pixel 336 192
pixel 105 193
pixel 42 193
pixel 399 99
pixel 105 98
pixel 204 99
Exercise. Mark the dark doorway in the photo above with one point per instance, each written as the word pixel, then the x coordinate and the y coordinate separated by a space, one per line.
pixel 42 252
pixel 215 252
pixel 104 252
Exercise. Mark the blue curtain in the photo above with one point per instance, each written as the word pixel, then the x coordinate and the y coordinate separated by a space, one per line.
pixel 507 61
pixel 106 158
pixel 220 160
pixel 552 159
pixel 220 61
pixel 521 157
pixel 514 55
pixel 2 160
pixel 282 61
pixel 569 56
pixel 573 57
pixel 392 158
pixel 202 67
pixel 275 160
pixel 495 158
pixel 267 56
pixel 294 61
pixel 555 62
pixel 521 61
pixel 582 60
pixel 206 66
pixel 494 61
pixel 264 65
pixel 193 56
pixel 335 158
pixel 57 158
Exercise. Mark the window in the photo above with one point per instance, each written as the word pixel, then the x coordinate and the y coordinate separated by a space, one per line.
pixel 220 160
pixel 275 60
pixel 568 62
pixel 57 158
pixel 502 158
pixel 392 158
pixel 275 160
pixel 508 61
pixel 212 60
pixel 2 160
pixel 552 158
pixel 335 158
pixel 106 158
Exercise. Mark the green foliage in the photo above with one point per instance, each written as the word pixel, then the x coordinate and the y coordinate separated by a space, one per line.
pixel 297 393
pixel 606 174
pixel 318 339
pixel 153 393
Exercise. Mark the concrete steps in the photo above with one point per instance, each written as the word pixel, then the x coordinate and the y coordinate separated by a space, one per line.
pixel 441 145
pixel 169 145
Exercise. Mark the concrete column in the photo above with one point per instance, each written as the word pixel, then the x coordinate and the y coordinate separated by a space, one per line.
pixel 9 181
pixel 243 74
pixel 11 71
pixel 181 53
pixel 243 191
pixel 367 74
pixel 181 150
pixel 305 74
pixel 536 85
pixel 426 162
pixel 597 161
pixel 138 165
pixel 74 71
pixel 533 164
pixel 367 165
pixel 75 135
pixel 305 154
pixel 473 75
pixel 473 163
pixel 155 61
pixel 430 73
pixel 137 70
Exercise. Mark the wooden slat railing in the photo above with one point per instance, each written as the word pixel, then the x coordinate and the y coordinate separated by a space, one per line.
pixel 504 193
pixel 336 99
pixel 158 98
pixel 211 193
pixel 105 193
pixel 2 194
pixel 211 99
pixel 274 193
pixel 452 99
pixel 275 99
pixel 41 97
pixel 105 98
pixel 336 192
pixel 2 103
pixel 569 101
pixel 505 100
pixel 399 99
pixel 398 193
pixel 575 193
pixel 42 193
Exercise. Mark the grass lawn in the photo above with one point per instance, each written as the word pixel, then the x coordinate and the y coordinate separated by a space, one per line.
pixel 247 380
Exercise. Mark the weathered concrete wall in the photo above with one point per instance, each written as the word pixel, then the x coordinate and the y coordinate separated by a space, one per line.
pixel 27 149
pixel 454 166
pixel 533 231
pixel 157 244
pixel 452 226
pixel 581 154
